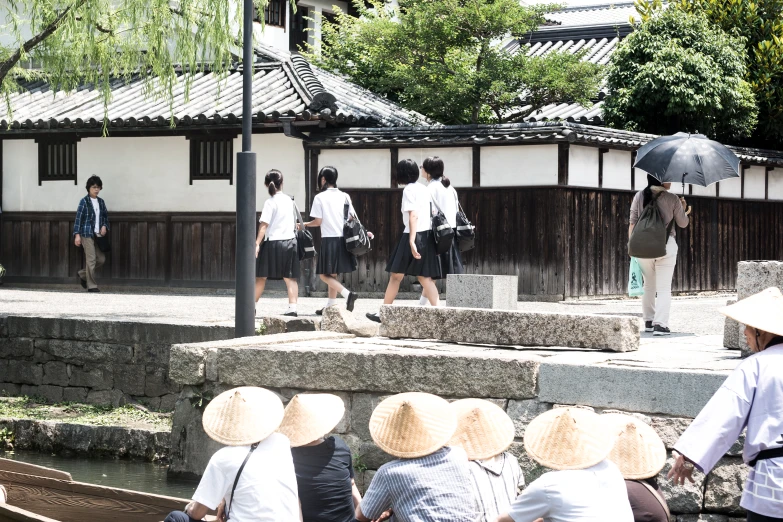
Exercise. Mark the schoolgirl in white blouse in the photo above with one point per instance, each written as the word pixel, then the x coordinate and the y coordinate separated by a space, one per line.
pixel 277 256
pixel 416 253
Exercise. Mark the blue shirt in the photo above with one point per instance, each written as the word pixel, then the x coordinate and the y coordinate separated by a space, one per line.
pixel 433 488
pixel 84 224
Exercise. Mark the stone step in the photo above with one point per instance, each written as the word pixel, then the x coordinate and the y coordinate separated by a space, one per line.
pixel 511 328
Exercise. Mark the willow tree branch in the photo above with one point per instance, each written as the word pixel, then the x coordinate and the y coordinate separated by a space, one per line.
pixel 7 64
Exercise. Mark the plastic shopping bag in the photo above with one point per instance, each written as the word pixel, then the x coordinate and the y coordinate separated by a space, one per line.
pixel 635 284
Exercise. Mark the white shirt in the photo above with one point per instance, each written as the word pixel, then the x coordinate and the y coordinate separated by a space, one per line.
pixel 278 213
pixel 752 397
pixel 595 494
pixel 446 198
pixel 497 482
pixel 266 491
pixel 97 208
pixel 416 197
pixel 329 205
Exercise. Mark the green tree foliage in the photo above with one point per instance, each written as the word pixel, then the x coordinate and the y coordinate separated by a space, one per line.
pixel 760 22
pixel 444 58
pixel 676 72
pixel 69 42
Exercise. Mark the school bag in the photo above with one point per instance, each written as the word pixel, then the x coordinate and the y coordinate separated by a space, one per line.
pixel 649 236
pixel 444 234
pixel 357 241
pixel 304 239
pixel 466 232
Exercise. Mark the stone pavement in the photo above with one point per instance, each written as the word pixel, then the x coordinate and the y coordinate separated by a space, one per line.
pixel 696 344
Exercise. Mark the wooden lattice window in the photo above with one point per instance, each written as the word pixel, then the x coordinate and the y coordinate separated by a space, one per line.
pixel 274 12
pixel 57 159
pixel 212 157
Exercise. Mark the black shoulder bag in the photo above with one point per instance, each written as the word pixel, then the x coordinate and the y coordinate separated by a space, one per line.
pixel 466 232
pixel 102 242
pixel 444 234
pixel 304 239
pixel 357 242
pixel 239 472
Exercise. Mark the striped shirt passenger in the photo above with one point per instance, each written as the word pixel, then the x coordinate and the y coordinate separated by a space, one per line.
pixel 434 488
pixel 497 481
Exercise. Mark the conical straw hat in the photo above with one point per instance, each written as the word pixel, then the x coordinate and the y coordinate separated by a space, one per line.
pixel 639 452
pixel 242 416
pixel 483 428
pixel 568 438
pixel 410 425
pixel 763 311
pixel 309 416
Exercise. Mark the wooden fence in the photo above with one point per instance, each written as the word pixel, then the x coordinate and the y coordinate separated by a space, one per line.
pixel 560 242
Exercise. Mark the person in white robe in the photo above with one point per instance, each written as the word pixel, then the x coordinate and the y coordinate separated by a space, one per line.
pixel 752 398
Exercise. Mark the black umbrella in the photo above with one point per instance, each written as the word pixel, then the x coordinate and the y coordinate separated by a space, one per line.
pixel 687 158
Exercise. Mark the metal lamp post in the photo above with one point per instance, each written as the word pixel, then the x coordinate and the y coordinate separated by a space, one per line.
pixel 245 314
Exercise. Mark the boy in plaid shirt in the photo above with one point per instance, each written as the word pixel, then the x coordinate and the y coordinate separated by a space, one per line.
pixel 92 220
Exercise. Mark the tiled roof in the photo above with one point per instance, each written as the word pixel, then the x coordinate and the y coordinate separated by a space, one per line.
pixel 284 84
pixel 616 13
pixel 507 134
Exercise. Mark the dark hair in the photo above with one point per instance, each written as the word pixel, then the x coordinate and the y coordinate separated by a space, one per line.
pixel 407 172
pixel 434 167
pixel 647 192
pixel 94 180
pixel 329 174
pixel 273 180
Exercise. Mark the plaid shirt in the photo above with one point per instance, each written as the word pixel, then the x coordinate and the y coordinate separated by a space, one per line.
pixel 84 224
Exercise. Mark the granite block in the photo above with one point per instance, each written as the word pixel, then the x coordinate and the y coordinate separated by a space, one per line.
pixel 495 292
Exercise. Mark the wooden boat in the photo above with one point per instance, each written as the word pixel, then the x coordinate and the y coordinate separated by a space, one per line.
pixel 39 494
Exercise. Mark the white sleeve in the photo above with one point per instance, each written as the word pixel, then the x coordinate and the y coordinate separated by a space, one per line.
pixel 408 201
pixel 532 504
pixel 318 210
pixel 720 422
pixel 268 213
pixel 212 487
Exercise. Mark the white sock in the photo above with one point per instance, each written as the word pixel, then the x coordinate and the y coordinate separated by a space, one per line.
pixel 423 301
pixel 330 302
pixel 291 307
pixel 345 292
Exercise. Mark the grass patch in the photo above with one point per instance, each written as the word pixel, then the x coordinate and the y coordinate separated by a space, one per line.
pixel 76 413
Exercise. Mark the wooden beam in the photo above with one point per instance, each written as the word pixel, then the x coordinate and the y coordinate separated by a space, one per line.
pixel 633 170
pixel 476 166
pixel 313 181
pixel 394 157
pixel 31 469
pixel 562 163
pixel 601 152
pixel 766 181
pixel 743 168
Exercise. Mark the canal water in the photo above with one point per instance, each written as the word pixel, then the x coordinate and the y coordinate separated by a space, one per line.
pixel 128 474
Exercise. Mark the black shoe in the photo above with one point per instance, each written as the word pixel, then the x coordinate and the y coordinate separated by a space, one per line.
pixel 374 317
pixel 648 326
pixel 661 330
pixel 352 297
pixel 83 282
pixel 93 289
pixel 291 314
pixel 320 312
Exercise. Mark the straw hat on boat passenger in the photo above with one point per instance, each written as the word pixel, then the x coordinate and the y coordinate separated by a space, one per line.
pixel 483 428
pixel 762 311
pixel 639 452
pixel 569 438
pixel 242 416
pixel 413 424
pixel 310 416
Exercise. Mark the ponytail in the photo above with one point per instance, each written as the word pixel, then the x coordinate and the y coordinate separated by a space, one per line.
pixel 434 167
pixel 446 182
pixel 273 181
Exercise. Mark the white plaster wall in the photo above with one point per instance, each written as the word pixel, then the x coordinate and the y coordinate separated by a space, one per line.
pixel 272 35
pixel 754 182
pixel 143 175
pixel 640 179
pixel 776 184
pixel 731 188
pixel 518 165
pixel 369 168
pixel 457 161
pixel 582 166
pixel 703 191
pixel 617 170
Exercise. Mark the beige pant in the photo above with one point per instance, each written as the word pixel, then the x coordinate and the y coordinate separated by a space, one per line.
pixel 658 274
pixel 94 260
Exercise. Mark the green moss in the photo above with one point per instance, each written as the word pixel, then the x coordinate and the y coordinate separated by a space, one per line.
pixel 75 413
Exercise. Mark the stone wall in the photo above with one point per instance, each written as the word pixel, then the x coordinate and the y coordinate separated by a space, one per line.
pixel 524 385
pixel 95 362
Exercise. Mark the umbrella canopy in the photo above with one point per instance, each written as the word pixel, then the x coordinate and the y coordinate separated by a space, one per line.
pixel 687 158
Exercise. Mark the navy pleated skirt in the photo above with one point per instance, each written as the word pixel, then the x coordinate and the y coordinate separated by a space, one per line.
pixel 278 260
pixel 334 258
pixel 403 262
pixel 451 261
